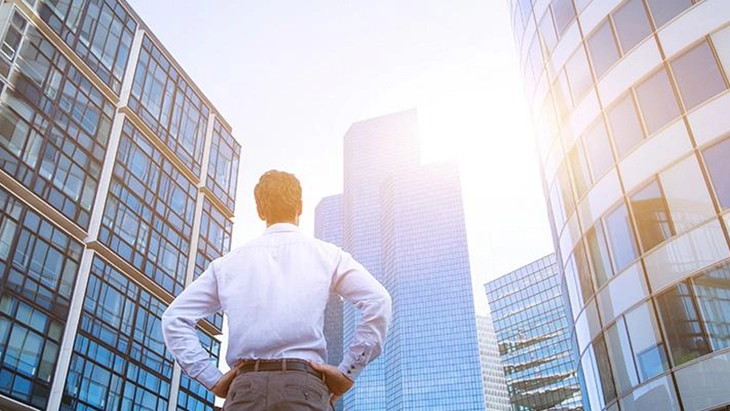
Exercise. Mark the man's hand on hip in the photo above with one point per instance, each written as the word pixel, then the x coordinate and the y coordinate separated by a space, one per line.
pixel 337 382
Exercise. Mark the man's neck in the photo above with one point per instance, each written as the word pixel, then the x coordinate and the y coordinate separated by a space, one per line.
pixel 270 223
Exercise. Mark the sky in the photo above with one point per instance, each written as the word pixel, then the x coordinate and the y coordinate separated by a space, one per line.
pixel 290 77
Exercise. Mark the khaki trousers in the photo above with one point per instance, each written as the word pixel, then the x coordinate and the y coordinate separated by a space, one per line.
pixel 277 391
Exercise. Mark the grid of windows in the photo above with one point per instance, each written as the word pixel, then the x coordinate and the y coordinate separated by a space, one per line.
pixel 54 129
pixel 149 212
pixel 119 359
pixel 225 153
pixel 99 31
pixel 169 106
pixel 193 396
pixel 534 337
pixel 38 267
pixel 426 270
pixel 636 190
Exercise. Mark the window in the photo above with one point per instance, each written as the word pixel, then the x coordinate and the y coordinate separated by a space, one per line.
pixel 686 194
pixel 584 272
pixel 632 24
pixel 697 75
pixel 622 360
pixel 665 10
pixel 657 101
pixel 625 125
pixel 598 148
pixel 225 153
pixel 547 32
pixel 652 216
pixel 192 394
pixel 681 321
pixel 719 170
pixel 566 193
pixel 579 75
pixel 646 341
pixel 721 41
pixel 564 13
pixel 598 252
pixel 579 167
pixel 603 49
pixel 713 298
pixel 100 32
pixel 620 237
pixel 604 370
pixel 13 36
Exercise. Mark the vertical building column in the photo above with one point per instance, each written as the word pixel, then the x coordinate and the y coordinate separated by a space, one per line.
pixel 193 252
pixel 82 278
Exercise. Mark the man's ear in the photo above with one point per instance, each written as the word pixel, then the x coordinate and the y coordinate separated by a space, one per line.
pixel 300 207
pixel 261 212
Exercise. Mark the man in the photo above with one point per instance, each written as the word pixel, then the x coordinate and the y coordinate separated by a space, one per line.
pixel 274 291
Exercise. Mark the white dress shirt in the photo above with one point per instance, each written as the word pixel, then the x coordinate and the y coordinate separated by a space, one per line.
pixel 274 291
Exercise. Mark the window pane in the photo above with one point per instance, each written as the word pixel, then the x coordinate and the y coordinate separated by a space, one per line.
pixel 713 297
pixel 620 237
pixel 604 370
pixel 598 149
pixel 565 190
pixel 627 132
pixel 665 10
pixel 584 272
pixel 632 25
pixel 652 216
pixel 564 13
pixel 547 31
pixel 646 341
pixel 603 49
pixel 698 76
pixel 686 194
pixel 718 166
pixel 579 74
pixel 578 165
pixel 721 41
pixel 682 324
pixel 598 252
pixel 622 360
pixel 657 101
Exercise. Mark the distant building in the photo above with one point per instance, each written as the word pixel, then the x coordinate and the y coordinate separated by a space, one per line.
pixel 117 188
pixel 328 227
pixel 496 396
pixel 533 333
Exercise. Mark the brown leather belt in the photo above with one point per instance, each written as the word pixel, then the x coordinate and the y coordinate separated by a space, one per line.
pixel 284 364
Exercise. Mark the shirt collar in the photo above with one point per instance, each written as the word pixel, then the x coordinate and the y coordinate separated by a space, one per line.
pixel 281 228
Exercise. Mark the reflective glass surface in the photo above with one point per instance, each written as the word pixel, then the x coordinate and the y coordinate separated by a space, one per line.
pixel 38 267
pixel 698 76
pixel 149 212
pixel 651 215
pixel 719 170
pixel 664 10
pixel 119 359
pixel 621 237
pixel 214 242
pixel 657 102
pixel 193 396
pixel 223 167
pixel 632 24
pixel 682 324
pixel 625 125
pixel 169 106
pixel 603 49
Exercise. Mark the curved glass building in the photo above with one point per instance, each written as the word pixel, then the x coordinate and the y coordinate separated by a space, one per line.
pixel 633 111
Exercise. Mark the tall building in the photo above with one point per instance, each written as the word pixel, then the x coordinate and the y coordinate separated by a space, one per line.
pixel 496 396
pixel 117 187
pixel 374 150
pixel 425 267
pixel 534 337
pixel 328 227
pixel 631 100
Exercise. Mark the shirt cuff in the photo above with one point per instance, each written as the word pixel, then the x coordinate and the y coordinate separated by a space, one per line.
pixel 209 376
pixel 352 367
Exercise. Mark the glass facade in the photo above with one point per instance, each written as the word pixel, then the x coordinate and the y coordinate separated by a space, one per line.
pixel 534 336
pixel 638 241
pixel 374 149
pixel 105 208
pixel 425 265
pixel 328 227
pixel 496 396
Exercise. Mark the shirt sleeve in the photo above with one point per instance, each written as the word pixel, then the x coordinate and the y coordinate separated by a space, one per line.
pixel 198 300
pixel 353 282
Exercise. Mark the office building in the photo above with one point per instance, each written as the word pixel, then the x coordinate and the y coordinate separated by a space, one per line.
pixel 117 187
pixel 425 267
pixel 631 101
pixel 328 227
pixel 534 338
pixel 374 149
pixel 496 396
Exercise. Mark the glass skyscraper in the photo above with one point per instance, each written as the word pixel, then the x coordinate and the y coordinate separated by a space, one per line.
pixel 328 227
pixel 631 98
pixel 117 187
pixel 496 396
pixel 405 223
pixel 534 335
